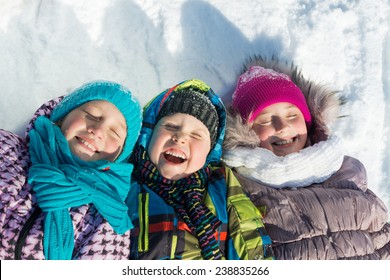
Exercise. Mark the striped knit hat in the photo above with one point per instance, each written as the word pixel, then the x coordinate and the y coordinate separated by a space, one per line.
pixel 193 102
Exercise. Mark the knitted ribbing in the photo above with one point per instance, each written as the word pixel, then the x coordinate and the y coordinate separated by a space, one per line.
pixel 311 165
pixel 62 181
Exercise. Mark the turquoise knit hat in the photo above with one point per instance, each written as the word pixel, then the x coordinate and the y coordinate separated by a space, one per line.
pixel 112 92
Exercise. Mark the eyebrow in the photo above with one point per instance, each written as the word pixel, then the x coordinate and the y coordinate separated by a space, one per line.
pixel 89 105
pixel 200 130
pixel 290 106
pixel 287 107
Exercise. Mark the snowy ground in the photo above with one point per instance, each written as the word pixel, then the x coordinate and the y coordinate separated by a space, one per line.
pixel 49 47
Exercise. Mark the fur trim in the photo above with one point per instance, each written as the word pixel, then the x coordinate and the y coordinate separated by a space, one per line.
pixel 238 133
pixel 324 104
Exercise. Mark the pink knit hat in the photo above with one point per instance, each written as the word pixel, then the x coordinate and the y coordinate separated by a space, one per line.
pixel 259 88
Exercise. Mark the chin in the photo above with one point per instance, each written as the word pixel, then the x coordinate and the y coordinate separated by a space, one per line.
pixel 174 177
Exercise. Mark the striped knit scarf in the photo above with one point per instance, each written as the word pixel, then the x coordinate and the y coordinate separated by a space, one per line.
pixel 62 181
pixel 186 197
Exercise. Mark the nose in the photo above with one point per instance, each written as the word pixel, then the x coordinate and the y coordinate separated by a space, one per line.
pixel 97 130
pixel 281 125
pixel 179 137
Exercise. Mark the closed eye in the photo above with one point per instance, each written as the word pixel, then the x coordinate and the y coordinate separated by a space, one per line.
pixel 91 116
pixel 196 136
pixel 116 133
pixel 171 127
pixel 292 116
pixel 264 122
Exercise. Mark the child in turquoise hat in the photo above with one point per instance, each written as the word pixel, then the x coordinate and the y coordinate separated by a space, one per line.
pixel 78 179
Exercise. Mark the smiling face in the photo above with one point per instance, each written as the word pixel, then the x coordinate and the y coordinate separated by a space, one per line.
pixel 179 146
pixel 281 128
pixel 95 130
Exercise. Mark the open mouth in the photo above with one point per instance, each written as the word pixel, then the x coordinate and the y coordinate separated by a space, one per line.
pixel 175 157
pixel 87 145
pixel 285 142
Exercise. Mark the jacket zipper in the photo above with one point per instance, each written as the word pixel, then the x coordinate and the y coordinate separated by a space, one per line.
pixel 24 232
pixel 143 217
pixel 174 238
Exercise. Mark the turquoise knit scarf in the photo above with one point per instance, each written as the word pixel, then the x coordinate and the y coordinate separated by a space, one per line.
pixel 62 181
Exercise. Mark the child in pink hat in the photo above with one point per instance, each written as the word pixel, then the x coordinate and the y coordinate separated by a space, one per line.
pixel 315 200
pixel 271 102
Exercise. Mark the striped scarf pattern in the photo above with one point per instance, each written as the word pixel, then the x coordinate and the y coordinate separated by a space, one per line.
pixel 186 197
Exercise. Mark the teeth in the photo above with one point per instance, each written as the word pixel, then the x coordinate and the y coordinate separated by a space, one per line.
pixel 284 142
pixel 182 156
pixel 88 145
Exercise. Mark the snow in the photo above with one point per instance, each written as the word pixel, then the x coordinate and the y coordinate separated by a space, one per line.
pixel 50 47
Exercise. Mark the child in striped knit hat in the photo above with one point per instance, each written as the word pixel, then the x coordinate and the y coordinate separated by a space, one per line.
pixel 314 198
pixel 182 204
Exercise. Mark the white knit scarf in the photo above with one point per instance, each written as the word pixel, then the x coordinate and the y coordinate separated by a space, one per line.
pixel 313 164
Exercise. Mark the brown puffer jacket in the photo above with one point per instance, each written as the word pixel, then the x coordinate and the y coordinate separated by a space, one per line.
pixel 339 218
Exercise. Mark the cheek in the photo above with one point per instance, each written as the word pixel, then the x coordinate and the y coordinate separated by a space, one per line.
pixel 153 148
pixel 67 129
pixel 263 133
pixel 152 152
pixel 200 155
pixel 265 144
pixel 301 127
pixel 71 125
pixel 113 145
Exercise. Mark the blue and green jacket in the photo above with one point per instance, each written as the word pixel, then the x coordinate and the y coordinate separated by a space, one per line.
pixel 160 233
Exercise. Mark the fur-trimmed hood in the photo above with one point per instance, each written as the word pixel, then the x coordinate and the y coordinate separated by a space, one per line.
pixel 324 104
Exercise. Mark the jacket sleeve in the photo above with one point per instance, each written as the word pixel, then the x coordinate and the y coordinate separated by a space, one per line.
pixel 248 237
pixel 14 161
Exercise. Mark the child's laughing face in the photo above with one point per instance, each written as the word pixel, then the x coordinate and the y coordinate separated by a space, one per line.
pixel 179 146
pixel 281 128
pixel 95 130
